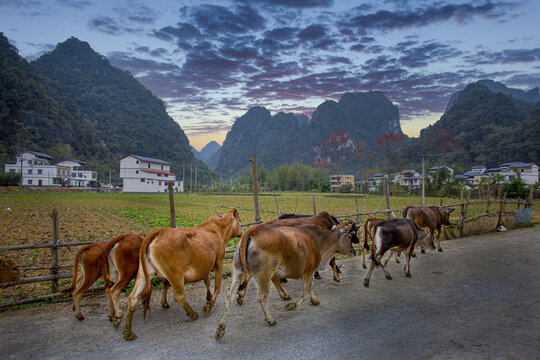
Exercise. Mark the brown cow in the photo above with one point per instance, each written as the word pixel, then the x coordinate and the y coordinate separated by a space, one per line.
pixel 431 217
pixel 272 252
pixel 120 261
pixel 90 258
pixel 9 271
pixel 396 235
pixel 183 256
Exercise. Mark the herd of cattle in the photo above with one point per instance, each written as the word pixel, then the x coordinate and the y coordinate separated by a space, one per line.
pixel 292 246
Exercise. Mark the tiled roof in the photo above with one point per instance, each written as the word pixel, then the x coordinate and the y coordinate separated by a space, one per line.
pixel 147 159
pixel 41 155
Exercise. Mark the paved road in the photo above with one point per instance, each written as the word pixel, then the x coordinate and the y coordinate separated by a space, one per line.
pixel 480 299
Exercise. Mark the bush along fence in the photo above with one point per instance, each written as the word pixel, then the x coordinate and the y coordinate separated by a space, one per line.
pixel 469 211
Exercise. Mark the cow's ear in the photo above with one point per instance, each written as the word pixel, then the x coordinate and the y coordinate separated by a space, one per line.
pixel 219 214
pixel 235 213
pixel 450 210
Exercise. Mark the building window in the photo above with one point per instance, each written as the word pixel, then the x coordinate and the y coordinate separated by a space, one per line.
pixel 40 171
pixel 12 170
pixel 142 180
pixel 160 183
pixel 149 166
pixel 29 182
pixel 137 161
pixel 29 171
pixel 159 175
pixel 161 167
pixel 136 171
pixel 29 162
pixel 166 175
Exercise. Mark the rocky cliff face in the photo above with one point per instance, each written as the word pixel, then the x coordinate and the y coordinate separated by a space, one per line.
pixel 334 132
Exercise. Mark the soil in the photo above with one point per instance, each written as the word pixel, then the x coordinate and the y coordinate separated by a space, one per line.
pixel 479 299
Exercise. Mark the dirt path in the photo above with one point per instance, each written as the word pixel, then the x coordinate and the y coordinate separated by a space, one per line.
pixel 479 299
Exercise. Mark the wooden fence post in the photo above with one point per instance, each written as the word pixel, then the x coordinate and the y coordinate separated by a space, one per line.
pixel 530 198
pixel 314 205
pixel 464 207
pixel 501 209
pixel 54 251
pixel 388 212
pixel 255 187
pixel 277 205
pixel 357 209
pixel 171 205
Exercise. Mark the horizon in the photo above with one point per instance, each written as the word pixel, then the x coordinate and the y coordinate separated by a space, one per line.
pixel 212 62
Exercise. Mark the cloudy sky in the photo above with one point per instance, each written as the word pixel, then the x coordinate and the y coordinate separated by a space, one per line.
pixel 213 60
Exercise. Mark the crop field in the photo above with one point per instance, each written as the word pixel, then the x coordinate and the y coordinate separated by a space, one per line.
pixel 94 216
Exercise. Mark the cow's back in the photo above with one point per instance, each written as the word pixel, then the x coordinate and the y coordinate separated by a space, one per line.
pixel 423 217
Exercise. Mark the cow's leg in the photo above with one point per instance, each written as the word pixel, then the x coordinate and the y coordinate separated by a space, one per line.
pixel 241 294
pixel 313 299
pixel 235 284
pixel 398 254
pixel 364 252
pixel 335 269
pixel 383 267
pixel 133 301
pixel 86 282
pixel 166 286
pixel 306 291
pixel 263 281
pixel 217 287
pixel 438 238
pixel 110 304
pixel 115 290
pixel 389 257
pixel 282 294
pixel 368 276
pixel 180 298
pixel 207 284
pixel 408 261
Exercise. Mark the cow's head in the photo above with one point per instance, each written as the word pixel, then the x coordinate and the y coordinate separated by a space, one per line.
pixel 347 237
pixel 9 271
pixel 425 238
pixel 236 222
pixel 445 216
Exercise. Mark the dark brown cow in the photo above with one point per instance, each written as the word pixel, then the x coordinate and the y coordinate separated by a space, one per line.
pixel 272 252
pixel 183 256
pixel 396 235
pixel 9 271
pixel 90 258
pixel 120 261
pixel 431 217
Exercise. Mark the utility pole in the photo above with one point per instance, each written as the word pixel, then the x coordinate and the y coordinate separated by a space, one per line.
pixel 423 181
pixel 191 179
pixel 110 185
pixel 20 185
pixel 196 179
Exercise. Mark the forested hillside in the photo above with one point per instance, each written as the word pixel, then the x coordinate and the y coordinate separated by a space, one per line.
pixel 72 103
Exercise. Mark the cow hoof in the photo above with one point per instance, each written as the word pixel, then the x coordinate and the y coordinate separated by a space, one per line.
pixel 423 251
pixel 165 305
pixel 338 270
pixel 286 297
pixel 440 249
pixel 220 331
pixel 408 274
pixel 111 318
pixel 194 315
pixel 272 323
pixel 317 276
pixel 398 261
pixel 336 279
pixel 413 254
pixel 389 277
pixel 364 266
pixel 207 307
pixel 239 300
pixel 129 336
pixel 315 302
pixel 290 306
pixel 366 283
pixel 79 317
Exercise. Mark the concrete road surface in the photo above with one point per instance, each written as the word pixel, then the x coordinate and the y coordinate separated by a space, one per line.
pixel 479 299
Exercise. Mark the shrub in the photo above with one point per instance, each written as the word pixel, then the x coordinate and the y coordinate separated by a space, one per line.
pixel 9 179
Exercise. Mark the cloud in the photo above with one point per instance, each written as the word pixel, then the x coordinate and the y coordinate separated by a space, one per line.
pixel 384 20
pixel 77 4
pixel 137 65
pixel 504 57
pixel 216 19
pixel 183 32
pixel 299 4
pixel 312 32
pixel 207 127
pixel 426 53
pixel 105 24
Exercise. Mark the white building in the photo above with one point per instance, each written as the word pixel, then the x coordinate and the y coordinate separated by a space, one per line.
pixel 147 175
pixel 77 176
pixel 527 171
pixel 37 170
pixel 435 169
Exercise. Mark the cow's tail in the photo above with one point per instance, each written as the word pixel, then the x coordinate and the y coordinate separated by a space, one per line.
pixel 76 269
pixel 244 242
pixel 404 214
pixel 105 269
pixel 147 291
pixel 373 245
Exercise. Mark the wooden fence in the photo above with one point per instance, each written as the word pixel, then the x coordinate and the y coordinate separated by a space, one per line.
pixel 497 207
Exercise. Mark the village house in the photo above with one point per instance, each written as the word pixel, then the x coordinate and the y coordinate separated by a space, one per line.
pixel 337 181
pixel 527 171
pixel 435 169
pixel 411 179
pixel 37 170
pixel 505 173
pixel 147 175
pixel 77 176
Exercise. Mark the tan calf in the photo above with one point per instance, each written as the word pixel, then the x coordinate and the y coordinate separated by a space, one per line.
pixel 9 271
pixel 182 256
